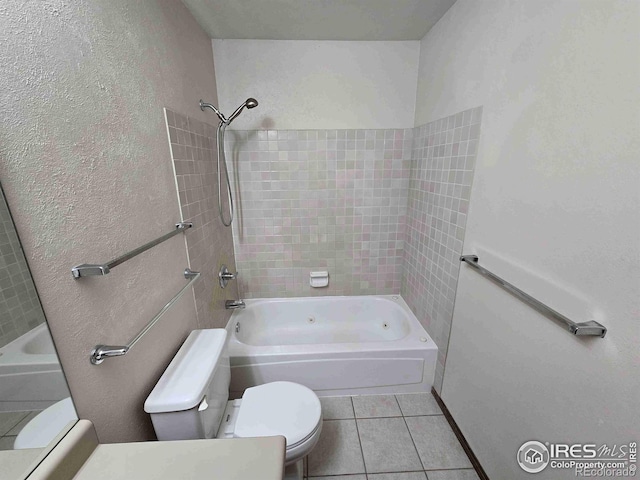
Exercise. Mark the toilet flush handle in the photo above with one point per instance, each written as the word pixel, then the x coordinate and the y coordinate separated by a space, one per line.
pixel 203 404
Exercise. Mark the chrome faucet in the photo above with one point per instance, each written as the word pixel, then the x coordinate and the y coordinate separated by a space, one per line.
pixel 234 304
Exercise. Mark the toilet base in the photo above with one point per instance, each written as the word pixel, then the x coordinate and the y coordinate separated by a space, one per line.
pixel 295 471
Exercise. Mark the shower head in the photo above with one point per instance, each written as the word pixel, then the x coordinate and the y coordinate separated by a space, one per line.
pixel 249 103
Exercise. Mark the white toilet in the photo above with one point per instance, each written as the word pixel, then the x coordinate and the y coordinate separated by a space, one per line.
pixel 190 401
pixel 46 426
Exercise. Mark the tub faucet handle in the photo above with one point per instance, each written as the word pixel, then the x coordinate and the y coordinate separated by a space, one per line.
pixel 224 275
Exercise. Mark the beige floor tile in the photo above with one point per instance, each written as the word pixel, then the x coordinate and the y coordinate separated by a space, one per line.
pixel 369 406
pixel 436 443
pixel 8 420
pixel 387 446
pixel 452 475
pixel 336 408
pixel 18 428
pixel 338 450
pixel 6 443
pixel 415 404
pixel 399 476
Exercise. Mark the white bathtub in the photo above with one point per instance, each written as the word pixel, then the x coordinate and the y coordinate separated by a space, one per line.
pixel 333 345
pixel 30 373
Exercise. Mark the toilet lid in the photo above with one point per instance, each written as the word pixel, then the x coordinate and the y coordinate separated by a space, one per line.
pixel 279 408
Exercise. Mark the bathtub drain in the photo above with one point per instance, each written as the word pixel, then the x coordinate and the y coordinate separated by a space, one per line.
pixel 311 320
pixel 385 325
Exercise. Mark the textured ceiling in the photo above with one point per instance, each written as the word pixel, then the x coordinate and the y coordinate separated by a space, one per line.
pixel 318 19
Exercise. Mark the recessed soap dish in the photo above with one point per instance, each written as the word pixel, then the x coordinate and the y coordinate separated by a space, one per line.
pixel 319 279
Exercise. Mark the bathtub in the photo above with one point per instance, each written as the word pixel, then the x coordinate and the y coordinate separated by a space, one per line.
pixel 334 345
pixel 30 373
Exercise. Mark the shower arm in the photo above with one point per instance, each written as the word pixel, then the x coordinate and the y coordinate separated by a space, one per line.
pixel 222 118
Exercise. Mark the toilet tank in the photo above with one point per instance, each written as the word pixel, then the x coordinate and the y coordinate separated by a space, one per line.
pixel 190 398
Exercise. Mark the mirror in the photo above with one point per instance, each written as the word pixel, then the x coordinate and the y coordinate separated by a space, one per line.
pixel 35 403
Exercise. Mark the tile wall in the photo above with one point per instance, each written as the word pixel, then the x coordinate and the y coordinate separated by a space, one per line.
pixel 443 161
pixel 331 200
pixel 209 242
pixel 20 309
pixel 384 211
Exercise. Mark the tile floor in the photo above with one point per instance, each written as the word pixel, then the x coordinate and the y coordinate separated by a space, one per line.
pixel 379 437
pixel 387 437
pixel 10 425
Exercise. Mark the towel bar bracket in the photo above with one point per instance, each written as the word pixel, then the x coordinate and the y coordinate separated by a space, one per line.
pixel 100 352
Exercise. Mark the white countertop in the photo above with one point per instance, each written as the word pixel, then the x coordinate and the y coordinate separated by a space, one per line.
pixel 16 463
pixel 232 459
pixel 80 457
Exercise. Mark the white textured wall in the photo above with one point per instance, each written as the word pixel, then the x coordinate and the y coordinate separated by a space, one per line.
pixel 555 190
pixel 303 85
pixel 86 168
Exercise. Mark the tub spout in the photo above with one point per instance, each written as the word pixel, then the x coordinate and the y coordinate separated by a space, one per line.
pixel 234 304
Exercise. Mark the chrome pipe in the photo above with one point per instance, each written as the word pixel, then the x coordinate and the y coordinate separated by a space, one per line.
pixel 204 105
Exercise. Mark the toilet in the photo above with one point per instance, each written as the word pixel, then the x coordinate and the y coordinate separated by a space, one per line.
pixel 46 426
pixel 191 401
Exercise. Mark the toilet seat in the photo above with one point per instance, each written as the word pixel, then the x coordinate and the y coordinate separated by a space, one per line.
pixel 279 408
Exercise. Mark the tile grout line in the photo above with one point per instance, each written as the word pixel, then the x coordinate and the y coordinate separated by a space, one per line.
pixel 412 440
pixel 364 463
pixel 26 414
pixel 396 416
pixel 450 469
pixel 366 473
pixel 475 463
pixel 386 416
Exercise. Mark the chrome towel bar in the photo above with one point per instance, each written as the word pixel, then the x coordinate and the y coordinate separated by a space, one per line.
pixel 89 269
pixel 100 352
pixel 590 328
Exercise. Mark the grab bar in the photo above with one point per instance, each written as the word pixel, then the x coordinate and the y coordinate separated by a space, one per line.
pixel 89 269
pixel 590 328
pixel 100 352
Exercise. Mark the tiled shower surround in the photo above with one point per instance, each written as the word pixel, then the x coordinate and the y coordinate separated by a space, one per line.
pixel 20 309
pixel 384 211
pixel 209 243
pixel 443 162
pixel 320 200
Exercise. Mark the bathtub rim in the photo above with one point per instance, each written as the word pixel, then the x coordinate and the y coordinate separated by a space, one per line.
pixel 259 364
pixel 15 360
pixel 241 353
